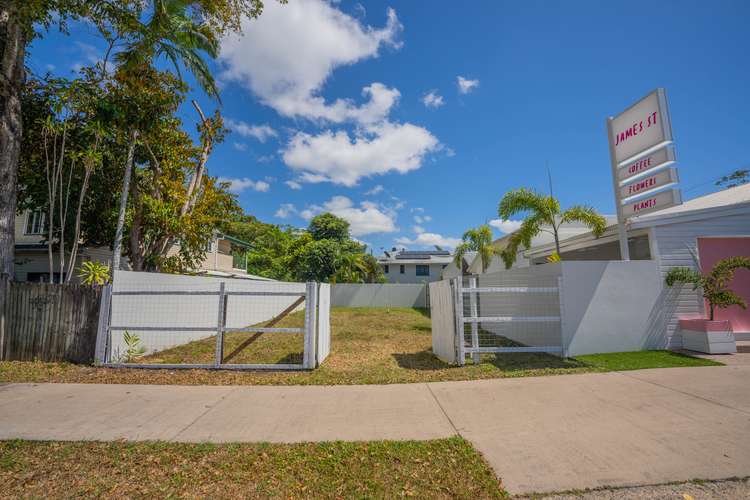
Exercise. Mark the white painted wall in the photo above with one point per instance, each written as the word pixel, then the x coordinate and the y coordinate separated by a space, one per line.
pixel 612 306
pixel 378 295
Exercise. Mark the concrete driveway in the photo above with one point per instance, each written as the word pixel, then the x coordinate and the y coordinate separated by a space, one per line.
pixel 540 434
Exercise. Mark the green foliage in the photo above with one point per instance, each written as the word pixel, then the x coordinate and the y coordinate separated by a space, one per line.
pixel 736 178
pixel 543 215
pixel 555 257
pixel 92 272
pixel 329 227
pixel 133 349
pixel 715 285
pixel 319 260
pixel 322 253
pixel 476 240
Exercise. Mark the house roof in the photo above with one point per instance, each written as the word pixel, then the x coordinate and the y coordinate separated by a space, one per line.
pixel 725 198
pixel 234 240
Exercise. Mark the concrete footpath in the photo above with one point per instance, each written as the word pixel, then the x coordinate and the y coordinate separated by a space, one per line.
pixel 540 434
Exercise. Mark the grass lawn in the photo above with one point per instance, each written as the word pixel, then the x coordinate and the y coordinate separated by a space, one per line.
pixel 445 468
pixel 369 346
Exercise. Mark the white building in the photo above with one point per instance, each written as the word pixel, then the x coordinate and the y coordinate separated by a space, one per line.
pixel 414 266
pixel 699 231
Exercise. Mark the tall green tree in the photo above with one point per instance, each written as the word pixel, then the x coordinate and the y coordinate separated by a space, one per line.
pixel 543 214
pixel 328 227
pixel 478 240
pixel 181 30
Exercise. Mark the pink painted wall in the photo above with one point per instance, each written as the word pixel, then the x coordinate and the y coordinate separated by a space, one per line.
pixel 712 250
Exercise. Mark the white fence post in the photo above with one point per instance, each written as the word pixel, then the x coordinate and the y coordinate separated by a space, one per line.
pixel 474 316
pixel 220 325
pixel 309 341
pixel 102 331
pixel 460 320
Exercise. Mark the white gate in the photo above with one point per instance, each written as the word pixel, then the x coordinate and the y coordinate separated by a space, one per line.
pixel 518 310
pixel 152 320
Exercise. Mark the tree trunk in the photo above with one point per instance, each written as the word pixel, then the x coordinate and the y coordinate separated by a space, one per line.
pixel 557 241
pixel 12 48
pixel 117 247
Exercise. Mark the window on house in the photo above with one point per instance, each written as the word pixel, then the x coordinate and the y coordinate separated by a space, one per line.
pixel 423 270
pixel 35 222
pixel 386 269
pixel 401 269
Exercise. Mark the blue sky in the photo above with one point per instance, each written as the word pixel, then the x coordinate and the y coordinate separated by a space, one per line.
pixel 357 108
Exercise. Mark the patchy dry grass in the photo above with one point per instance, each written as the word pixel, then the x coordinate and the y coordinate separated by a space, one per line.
pixel 446 468
pixel 369 346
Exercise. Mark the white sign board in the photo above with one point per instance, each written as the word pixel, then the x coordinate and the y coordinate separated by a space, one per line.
pixel 653 203
pixel 643 125
pixel 658 158
pixel 659 179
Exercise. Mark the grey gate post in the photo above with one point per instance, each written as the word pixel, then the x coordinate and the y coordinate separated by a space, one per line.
pixel 474 316
pixel 220 325
pixel 102 329
pixel 308 357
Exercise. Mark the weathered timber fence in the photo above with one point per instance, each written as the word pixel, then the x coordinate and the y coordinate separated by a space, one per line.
pixel 48 322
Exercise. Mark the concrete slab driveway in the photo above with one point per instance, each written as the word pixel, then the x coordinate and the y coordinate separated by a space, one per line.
pixel 540 434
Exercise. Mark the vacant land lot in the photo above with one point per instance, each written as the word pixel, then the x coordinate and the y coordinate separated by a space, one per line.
pixel 446 468
pixel 369 346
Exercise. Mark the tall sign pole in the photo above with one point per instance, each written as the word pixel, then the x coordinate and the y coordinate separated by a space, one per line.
pixel 641 155
pixel 621 231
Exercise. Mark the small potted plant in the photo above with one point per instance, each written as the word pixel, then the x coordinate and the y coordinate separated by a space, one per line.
pixel 709 335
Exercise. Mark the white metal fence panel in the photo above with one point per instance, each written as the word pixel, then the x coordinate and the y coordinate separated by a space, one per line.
pixel 324 323
pixel 443 321
pixel 511 311
pixel 158 320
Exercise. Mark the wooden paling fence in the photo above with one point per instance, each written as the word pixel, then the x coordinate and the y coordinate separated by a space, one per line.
pixel 48 322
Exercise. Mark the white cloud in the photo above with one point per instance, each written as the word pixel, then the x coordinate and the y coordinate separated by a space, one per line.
pixel 259 132
pixel 240 146
pixel 286 56
pixel 432 99
pixel 418 229
pixel 505 226
pixel 375 190
pixel 368 218
pixel 465 85
pixel 336 157
pixel 428 240
pixel 239 185
pixel 421 219
pixel 285 210
pixel 293 185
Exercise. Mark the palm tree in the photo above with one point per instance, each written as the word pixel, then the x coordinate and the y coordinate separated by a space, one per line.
pixel 478 240
pixel 174 32
pixel 545 215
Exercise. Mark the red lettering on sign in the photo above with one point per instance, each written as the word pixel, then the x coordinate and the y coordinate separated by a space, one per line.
pixel 634 129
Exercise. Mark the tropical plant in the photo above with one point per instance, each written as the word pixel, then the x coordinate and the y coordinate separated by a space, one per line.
pixel 133 349
pixel 478 240
pixel 714 285
pixel 544 215
pixel 327 226
pixel 92 272
pixel 736 178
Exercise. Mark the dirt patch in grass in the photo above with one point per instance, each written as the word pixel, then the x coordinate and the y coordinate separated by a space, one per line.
pixel 446 468
pixel 368 346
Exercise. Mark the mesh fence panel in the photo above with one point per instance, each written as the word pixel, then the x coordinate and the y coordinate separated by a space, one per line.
pixel 517 308
pixel 167 319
